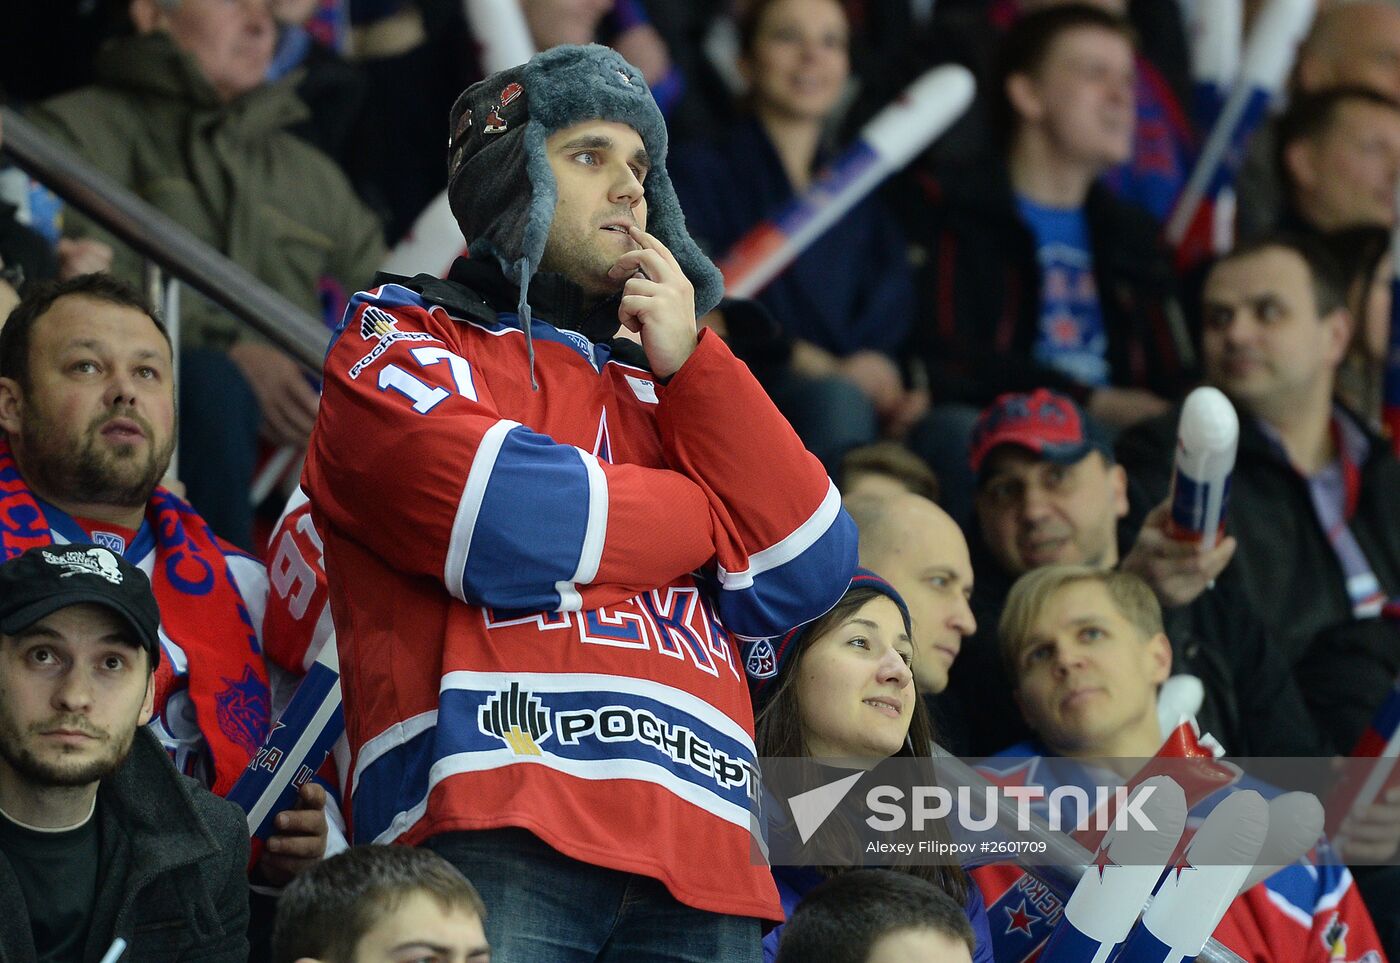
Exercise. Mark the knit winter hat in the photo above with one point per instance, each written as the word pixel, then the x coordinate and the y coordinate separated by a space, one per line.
pixel 765 662
pixel 499 182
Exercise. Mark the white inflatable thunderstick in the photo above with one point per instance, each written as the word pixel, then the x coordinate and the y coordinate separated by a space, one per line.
pixel 1268 58
pixel 1201 886
pixel 926 109
pixel 1116 884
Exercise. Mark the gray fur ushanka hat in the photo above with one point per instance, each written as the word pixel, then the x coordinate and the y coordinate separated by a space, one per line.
pixel 498 129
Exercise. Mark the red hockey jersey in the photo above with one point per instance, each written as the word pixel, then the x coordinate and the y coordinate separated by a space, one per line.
pixel 534 591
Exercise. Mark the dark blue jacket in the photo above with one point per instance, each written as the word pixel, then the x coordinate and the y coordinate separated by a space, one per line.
pixel 980 287
pixel 851 290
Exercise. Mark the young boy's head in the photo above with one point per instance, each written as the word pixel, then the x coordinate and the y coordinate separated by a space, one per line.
pixel 1086 653
pixel 877 916
pixel 374 904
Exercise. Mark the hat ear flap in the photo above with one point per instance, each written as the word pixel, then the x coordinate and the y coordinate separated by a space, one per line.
pixel 544 195
pixel 666 220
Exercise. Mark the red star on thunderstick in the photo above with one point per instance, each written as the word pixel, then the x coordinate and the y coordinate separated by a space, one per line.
pixel 1064 330
pixel 1180 864
pixel 1020 919
pixel 1102 861
pixel 1017 775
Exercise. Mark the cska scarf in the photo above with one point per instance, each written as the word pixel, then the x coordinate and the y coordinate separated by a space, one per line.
pixel 201 611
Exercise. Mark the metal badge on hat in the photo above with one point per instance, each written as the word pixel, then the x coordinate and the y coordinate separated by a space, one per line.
pixel 495 123
pixel 463 123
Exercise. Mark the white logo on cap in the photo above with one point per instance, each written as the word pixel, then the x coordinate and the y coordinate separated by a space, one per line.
pixel 762 661
pixel 93 561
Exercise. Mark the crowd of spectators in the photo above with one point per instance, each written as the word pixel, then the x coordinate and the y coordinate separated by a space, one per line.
pixel 589 539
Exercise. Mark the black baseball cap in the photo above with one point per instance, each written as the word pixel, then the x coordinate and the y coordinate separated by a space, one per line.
pixel 44 580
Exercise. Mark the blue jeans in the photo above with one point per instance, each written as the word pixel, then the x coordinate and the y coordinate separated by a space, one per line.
pixel 543 907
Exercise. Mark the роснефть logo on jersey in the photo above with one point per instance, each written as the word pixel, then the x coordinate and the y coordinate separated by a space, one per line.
pixel 518 718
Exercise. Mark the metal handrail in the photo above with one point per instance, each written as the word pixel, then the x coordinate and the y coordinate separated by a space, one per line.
pixel 155 236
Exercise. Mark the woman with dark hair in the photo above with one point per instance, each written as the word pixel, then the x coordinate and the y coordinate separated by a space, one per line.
pixel 838 690
pixel 1363 253
pixel 845 306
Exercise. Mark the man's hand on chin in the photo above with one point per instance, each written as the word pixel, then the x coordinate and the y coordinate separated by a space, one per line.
pixel 658 303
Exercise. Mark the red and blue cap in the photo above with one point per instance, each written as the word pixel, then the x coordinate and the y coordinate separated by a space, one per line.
pixel 767 659
pixel 1046 423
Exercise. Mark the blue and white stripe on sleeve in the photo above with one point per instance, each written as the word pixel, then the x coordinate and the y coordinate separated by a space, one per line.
pixel 530 525
pixel 796 580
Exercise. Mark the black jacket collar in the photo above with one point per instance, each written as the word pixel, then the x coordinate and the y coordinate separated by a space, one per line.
pixel 553 297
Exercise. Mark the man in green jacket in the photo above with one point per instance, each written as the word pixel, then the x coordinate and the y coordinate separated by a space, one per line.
pixel 181 115
pixel 100 838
